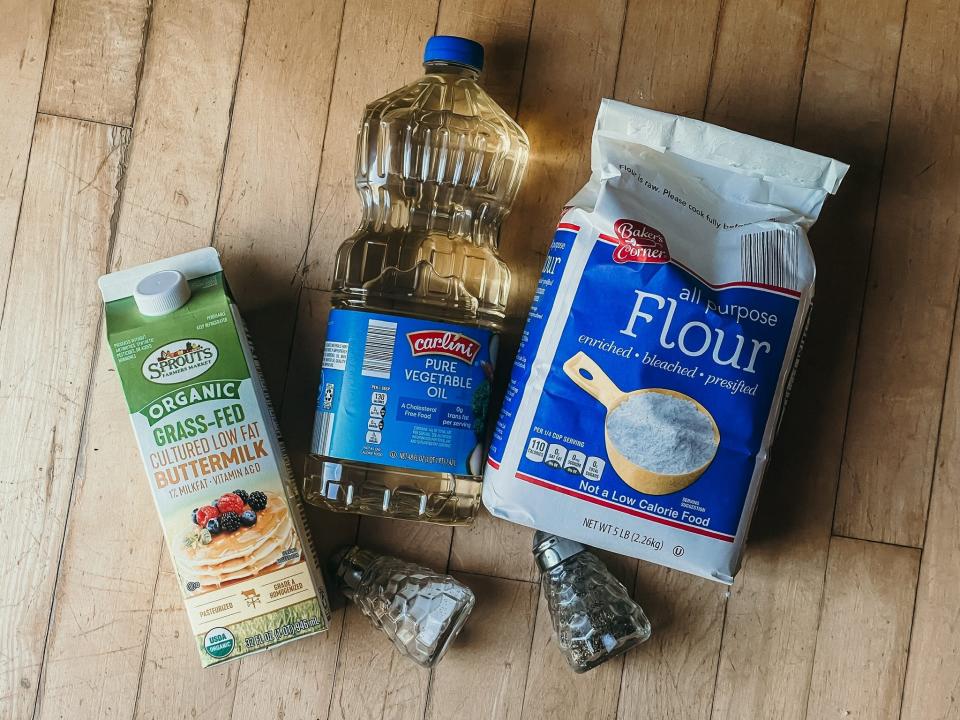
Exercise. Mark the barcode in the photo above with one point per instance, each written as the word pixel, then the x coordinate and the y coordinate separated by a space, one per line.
pixel 771 257
pixel 378 349
pixel 322 432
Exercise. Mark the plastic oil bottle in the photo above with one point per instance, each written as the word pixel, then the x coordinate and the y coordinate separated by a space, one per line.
pixel 419 294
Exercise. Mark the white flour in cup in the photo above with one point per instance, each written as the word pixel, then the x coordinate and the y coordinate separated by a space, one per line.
pixel 662 433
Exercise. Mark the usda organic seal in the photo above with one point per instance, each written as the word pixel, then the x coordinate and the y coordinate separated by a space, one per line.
pixel 218 642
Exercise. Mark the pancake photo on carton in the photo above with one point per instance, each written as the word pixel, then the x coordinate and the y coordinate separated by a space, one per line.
pixel 236 544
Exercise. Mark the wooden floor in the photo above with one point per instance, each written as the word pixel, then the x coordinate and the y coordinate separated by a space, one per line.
pixel 131 130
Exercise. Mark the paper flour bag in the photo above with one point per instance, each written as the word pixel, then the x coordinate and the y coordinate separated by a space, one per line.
pixel 658 351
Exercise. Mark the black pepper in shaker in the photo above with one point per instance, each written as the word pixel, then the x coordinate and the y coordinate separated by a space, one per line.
pixel 594 617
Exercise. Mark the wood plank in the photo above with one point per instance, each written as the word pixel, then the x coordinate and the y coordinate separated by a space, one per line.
pixel 23 43
pixel 559 103
pixel 417 542
pixel 772 615
pixel 270 173
pixel 168 206
pixel 171 673
pixel 930 690
pixel 864 630
pixel 291 681
pixel 553 690
pixel 758 67
pixel 401 30
pixel 502 27
pixel 669 69
pixel 369 677
pixel 489 546
pixel 263 221
pixel 673 674
pixel 94 59
pixel 372 679
pixel 45 359
pixel 497 639
pixel 902 356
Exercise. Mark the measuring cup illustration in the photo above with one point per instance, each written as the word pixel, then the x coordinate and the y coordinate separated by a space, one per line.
pixel 590 377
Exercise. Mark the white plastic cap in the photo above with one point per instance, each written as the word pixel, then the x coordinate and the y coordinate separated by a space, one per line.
pixel 161 293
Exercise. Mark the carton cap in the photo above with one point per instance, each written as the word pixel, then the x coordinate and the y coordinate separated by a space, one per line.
pixel 161 293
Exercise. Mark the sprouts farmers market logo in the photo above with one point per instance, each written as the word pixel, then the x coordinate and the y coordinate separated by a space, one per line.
pixel 443 342
pixel 179 361
pixel 638 242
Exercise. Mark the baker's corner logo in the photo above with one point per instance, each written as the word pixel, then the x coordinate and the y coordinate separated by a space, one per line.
pixel 638 242
pixel 179 361
pixel 443 342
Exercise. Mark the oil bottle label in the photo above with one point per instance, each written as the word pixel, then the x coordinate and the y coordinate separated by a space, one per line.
pixel 404 392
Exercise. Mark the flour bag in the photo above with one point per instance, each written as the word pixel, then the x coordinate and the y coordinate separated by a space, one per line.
pixel 659 349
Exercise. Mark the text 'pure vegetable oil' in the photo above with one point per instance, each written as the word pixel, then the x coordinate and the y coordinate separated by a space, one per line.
pixel 419 294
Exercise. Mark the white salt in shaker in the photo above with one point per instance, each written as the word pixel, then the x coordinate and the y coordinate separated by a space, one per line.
pixel 593 616
pixel 420 610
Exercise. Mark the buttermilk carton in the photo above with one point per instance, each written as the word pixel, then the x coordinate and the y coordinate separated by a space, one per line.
pixel 215 464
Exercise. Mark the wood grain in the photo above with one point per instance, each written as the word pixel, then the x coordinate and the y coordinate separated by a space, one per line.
pixel 930 691
pixel 911 295
pixel 372 679
pixel 171 648
pixel 557 109
pixel 758 66
pixel 23 43
pixel 175 194
pixel 502 26
pixel 168 202
pixel 667 54
pixel 400 29
pixel 270 171
pixel 94 57
pixel 772 615
pixel 673 674
pixel 307 69
pixel 497 639
pixel 50 325
pixel 554 690
pixel 864 630
pixel 395 686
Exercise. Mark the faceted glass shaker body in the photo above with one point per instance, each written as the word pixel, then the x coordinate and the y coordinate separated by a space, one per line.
pixel 419 610
pixel 438 165
pixel 593 615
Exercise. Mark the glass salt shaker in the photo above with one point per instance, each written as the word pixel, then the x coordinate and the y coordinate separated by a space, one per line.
pixel 420 610
pixel 593 616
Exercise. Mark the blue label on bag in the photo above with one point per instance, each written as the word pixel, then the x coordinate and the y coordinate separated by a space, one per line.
pixel 659 381
pixel 404 392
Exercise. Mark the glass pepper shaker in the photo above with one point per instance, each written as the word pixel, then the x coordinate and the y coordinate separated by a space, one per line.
pixel 420 610
pixel 593 616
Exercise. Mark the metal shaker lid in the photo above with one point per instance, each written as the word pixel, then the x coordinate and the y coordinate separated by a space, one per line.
pixel 348 564
pixel 551 550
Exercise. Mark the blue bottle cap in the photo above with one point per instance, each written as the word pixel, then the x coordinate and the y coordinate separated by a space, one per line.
pixel 452 49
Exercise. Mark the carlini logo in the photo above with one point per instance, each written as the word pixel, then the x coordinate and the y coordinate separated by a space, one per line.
pixel 443 342
pixel 179 361
pixel 638 242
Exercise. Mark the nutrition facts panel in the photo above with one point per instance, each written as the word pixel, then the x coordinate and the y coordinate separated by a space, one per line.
pixel 378 412
pixel 560 456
